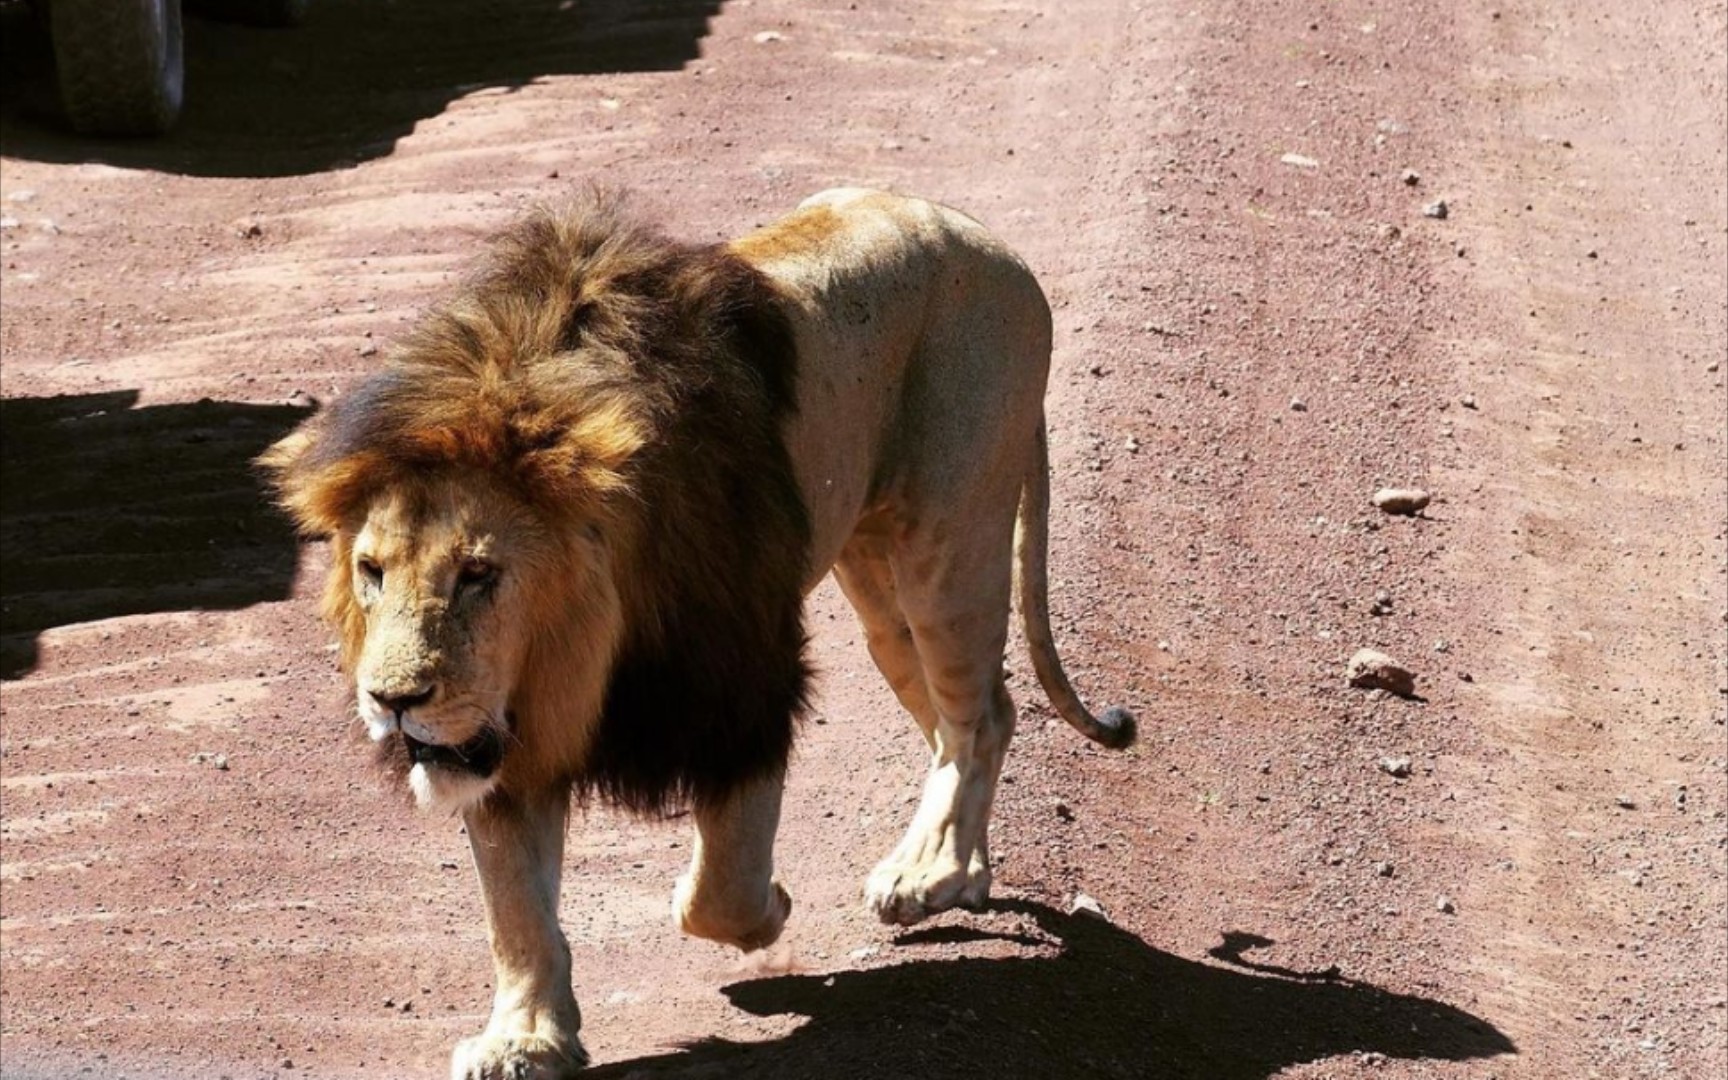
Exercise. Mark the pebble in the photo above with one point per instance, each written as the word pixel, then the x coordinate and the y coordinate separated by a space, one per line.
pixel 1444 905
pixel 1371 669
pixel 1713 367
pixel 1410 177
pixel 1625 802
pixel 1064 811
pixel 1404 501
pixel 1395 766
pixel 250 230
pixel 1132 445
pixel 1468 401
pixel 1384 869
pixel 1382 603
pixel 864 953
pixel 768 36
pixel 1086 905
pixel 1298 405
pixel 21 196
pixel 1301 161
pixel 8 223
pixel 1437 210
pixel 300 399
pixel 368 349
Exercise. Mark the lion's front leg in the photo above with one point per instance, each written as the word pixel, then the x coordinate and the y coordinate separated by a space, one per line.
pixel 518 846
pixel 730 894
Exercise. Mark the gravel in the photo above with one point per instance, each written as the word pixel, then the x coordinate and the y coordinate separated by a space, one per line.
pixel 1371 669
pixel 1403 501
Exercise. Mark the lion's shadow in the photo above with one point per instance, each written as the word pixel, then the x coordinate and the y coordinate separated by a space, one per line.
pixel 111 509
pixel 1107 1005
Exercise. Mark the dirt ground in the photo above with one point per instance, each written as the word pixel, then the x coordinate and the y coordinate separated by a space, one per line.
pixel 1257 326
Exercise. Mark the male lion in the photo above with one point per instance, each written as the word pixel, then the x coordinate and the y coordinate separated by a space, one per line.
pixel 575 515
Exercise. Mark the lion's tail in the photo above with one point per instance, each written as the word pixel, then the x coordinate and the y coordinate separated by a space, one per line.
pixel 1116 728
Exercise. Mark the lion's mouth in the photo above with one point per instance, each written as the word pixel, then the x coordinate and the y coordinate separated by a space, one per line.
pixel 479 755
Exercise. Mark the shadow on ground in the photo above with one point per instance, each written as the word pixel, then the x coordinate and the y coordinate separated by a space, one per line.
pixel 114 510
pixel 343 87
pixel 1105 1005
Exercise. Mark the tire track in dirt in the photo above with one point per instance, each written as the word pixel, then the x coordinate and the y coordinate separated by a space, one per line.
pixel 1594 474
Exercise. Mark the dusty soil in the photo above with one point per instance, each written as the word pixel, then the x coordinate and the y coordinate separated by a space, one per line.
pixel 1257 327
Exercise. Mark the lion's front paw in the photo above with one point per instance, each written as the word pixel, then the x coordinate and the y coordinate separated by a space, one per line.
pixel 750 929
pixel 903 893
pixel 517 1057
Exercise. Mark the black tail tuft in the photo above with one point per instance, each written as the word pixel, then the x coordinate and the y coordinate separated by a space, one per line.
pixel 1117 729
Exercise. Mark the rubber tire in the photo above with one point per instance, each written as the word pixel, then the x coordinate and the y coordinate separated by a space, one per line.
pixel 121 64
pixel 255 12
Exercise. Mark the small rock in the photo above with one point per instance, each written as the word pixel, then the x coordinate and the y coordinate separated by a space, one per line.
pixel 1437 210
pixel 1085 905
pixel 1625 802
pixel 221 762
pixel 864 953
pixel 1382 603
pixel 1405 501
pixel 447 864
pixel 1713 367
pixel 1442 645
pixel 1444 905
pixel 768 36
pixel 1132 445
pixel 8 223
pixel 21 196
pixel 1371 669
pixel 251 230
pixel 1468 401
pixel 1300 161
pixel 1064 811
pixel 1298 405
pixel 368 349
pixel 1410 177
pixel 1395 766
pixel 300 399
pixel 1384 869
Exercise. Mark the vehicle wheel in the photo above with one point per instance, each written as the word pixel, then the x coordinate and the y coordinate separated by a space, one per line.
pixel 120 64
pixel 255 12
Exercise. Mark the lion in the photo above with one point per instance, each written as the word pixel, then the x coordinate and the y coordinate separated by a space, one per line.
pixel 574 516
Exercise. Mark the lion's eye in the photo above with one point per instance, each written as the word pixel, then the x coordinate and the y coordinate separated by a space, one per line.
pixel 475 572
pixel 370 570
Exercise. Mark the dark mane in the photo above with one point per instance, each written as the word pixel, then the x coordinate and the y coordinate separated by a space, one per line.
pixel 602 372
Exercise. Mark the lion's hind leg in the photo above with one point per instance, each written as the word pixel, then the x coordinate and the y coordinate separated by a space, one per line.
pixel 948 620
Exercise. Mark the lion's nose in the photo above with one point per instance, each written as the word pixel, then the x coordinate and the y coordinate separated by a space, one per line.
pixel 401 703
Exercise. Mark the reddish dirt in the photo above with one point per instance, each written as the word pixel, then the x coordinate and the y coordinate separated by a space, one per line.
pixel 1547 359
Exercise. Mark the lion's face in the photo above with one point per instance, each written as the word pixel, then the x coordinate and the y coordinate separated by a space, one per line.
pixel 442 583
